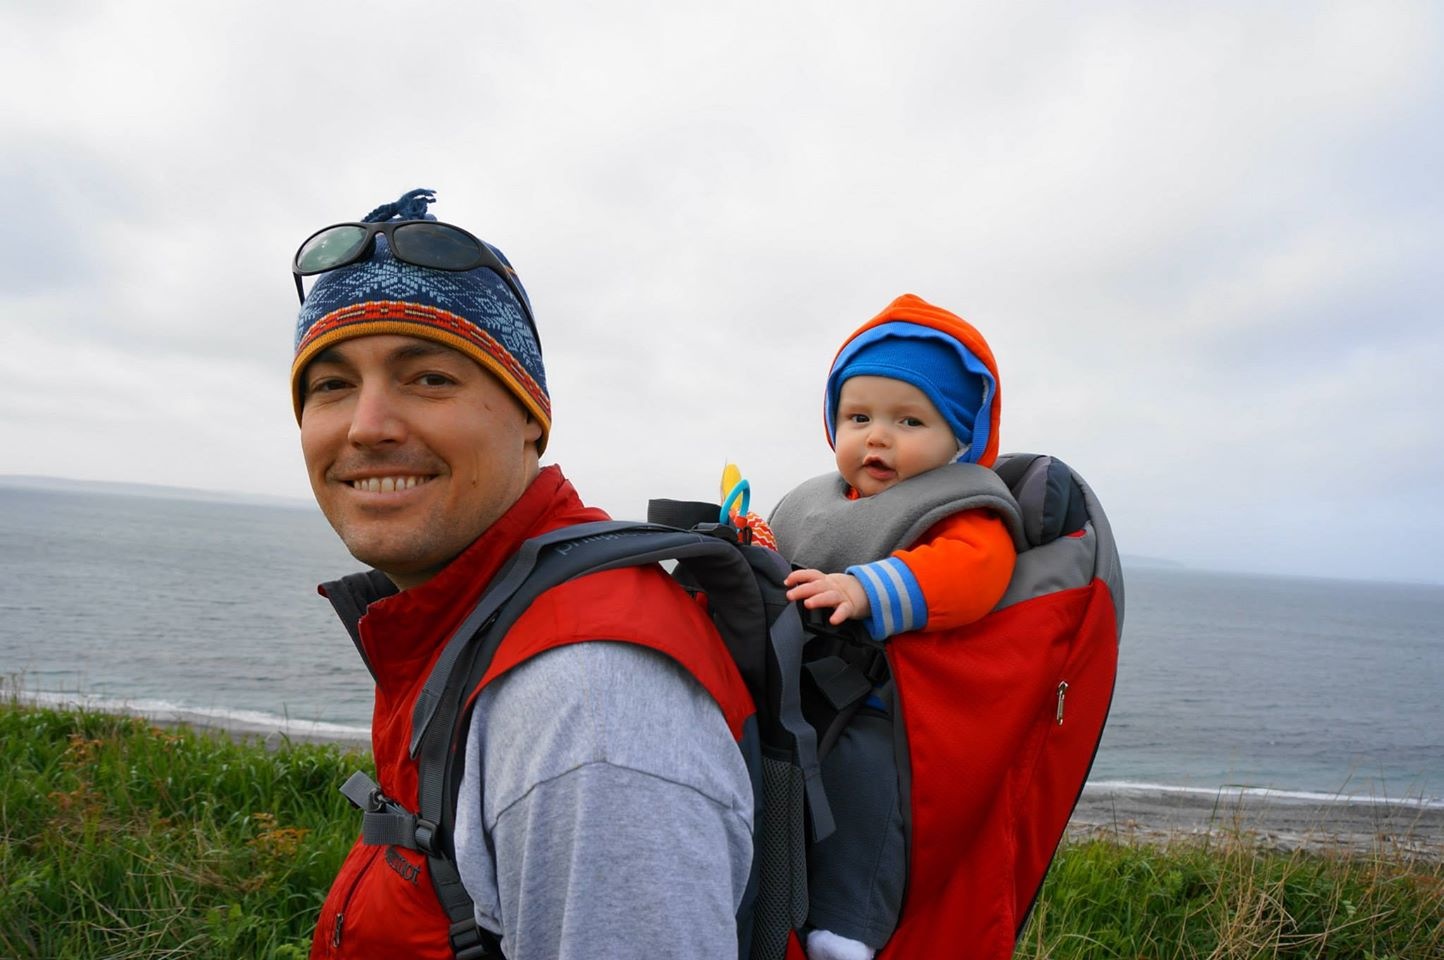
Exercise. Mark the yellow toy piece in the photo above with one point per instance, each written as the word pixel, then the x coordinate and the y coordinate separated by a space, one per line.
pixel 731 476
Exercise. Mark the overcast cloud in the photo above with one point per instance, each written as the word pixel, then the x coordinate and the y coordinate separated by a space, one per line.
pixel 1202 239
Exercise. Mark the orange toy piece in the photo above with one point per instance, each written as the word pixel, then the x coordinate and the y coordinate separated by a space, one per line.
pixel 752 526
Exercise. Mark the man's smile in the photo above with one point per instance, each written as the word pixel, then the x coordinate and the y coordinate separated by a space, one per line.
pixel 388 484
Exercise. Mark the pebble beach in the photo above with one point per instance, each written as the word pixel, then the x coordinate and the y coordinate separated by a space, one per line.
pixel 1276 820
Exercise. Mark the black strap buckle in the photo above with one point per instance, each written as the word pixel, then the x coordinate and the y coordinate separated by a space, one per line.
pixel 468 941
pixel 426 836
pixel 876 669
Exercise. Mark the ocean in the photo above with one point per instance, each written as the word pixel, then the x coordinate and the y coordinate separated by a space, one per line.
pixel 208 610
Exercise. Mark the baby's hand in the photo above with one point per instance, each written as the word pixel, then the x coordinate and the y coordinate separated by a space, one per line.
pixel 840 591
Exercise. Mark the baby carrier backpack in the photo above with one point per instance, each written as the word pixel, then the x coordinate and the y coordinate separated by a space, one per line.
pixel 806 680
pixel 996 723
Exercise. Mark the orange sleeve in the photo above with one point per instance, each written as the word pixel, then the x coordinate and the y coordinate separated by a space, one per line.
pixel 962 564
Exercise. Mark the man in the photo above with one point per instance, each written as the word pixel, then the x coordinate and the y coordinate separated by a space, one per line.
pixel 605 810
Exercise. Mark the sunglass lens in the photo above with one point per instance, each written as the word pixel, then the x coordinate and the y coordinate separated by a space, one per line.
pixel 329 249
pixel 435 245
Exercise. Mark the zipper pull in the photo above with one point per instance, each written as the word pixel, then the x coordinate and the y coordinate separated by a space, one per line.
pixel 336 930
pixel 1062 692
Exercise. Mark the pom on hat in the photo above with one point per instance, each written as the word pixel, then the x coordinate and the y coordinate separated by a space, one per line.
pixel 956 381
pixel 473 312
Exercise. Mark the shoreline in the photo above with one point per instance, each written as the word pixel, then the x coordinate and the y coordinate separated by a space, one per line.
pixel 1124 812
pixel 1270 819
pixel 241 726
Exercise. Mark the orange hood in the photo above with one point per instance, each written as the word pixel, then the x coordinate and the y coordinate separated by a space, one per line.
pixel 910 308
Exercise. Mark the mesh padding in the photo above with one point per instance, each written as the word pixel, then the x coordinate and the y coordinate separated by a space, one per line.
pixel 781 856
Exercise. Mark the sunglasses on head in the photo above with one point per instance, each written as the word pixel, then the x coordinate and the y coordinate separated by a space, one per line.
pixel 423 243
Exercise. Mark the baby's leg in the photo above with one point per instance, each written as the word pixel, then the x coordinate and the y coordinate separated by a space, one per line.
pixel 856 876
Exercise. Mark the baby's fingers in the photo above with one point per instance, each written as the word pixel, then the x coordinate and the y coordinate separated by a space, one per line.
pixel 803 576
pixel 811 594
pixel 809 589
pixel 823 599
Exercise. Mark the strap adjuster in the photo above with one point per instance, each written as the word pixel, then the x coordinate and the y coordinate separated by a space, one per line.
pixel 877 670
pixel 364 793
pixel 467 941
pixel 426 836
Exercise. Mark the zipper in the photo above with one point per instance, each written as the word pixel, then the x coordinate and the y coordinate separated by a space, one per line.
pixel 1107 709
pixel 1062 692
pixel 340 920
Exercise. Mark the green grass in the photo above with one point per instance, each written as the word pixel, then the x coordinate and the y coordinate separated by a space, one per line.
pixel 119 840
pixel 1232 898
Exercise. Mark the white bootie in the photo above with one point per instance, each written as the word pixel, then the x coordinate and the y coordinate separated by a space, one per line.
pixel 826 945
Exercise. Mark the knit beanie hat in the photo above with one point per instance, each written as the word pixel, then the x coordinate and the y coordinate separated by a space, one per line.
pixel 473 312
pixel 935 351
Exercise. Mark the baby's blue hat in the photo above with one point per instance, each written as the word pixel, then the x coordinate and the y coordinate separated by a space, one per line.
pixel 958 383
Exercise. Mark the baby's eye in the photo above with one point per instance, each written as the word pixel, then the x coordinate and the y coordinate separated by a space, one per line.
pixel 913 422
pixel 858 418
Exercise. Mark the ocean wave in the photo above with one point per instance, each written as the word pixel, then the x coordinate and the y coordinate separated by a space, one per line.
pixel 231 720
pixel 1240 792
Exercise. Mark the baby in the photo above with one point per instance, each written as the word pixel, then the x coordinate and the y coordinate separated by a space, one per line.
pixel 911 391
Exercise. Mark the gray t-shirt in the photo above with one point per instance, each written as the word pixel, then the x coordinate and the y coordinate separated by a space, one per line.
pixel 616 819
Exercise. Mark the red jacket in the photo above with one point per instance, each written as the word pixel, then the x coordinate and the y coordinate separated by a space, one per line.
pixel 382 903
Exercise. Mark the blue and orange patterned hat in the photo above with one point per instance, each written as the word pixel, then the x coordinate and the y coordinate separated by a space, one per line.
pixel 473 312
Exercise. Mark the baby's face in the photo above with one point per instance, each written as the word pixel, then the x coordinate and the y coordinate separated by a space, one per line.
pixel 887 431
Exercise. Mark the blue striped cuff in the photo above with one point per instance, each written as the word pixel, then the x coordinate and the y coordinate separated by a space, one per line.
pixel 894 595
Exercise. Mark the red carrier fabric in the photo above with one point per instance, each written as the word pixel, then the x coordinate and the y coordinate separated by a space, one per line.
pixel 1002 717
pixel 999 751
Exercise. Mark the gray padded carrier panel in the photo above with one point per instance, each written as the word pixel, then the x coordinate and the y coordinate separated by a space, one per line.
pixel 817 526
pixel 1067 561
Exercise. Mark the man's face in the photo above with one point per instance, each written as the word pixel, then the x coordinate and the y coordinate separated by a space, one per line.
pixel 413 451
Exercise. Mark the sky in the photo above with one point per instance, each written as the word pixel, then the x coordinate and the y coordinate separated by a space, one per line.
pixel 1202 239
